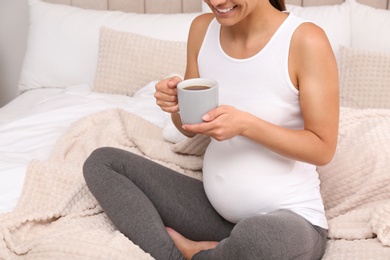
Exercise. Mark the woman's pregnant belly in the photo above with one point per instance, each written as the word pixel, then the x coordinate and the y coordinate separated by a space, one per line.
pixel 242 178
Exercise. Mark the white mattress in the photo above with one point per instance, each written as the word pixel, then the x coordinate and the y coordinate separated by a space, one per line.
pixel 31 124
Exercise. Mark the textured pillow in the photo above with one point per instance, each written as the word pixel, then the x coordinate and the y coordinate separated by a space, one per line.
pixel 364 78
pixel 370 27
pixel 333 19
pixel 128 61
pixel 357 180
pixel 63 40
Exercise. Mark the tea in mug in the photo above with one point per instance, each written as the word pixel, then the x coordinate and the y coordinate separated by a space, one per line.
pixel 196 87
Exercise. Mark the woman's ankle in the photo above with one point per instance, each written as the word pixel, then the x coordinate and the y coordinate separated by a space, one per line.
pixel 189 247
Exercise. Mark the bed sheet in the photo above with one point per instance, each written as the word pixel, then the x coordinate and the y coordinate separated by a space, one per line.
pixel 32 123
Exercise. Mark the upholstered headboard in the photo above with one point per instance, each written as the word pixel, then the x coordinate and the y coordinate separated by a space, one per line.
pixel 137 6
pixel 384 4
pixel 186 6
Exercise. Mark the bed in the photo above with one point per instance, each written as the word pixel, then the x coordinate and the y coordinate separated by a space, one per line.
pixel 88 81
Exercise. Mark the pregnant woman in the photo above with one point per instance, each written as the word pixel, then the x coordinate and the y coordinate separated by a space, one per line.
pixel 260 196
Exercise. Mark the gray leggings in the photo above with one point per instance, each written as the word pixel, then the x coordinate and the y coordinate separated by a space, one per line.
pixel 141 198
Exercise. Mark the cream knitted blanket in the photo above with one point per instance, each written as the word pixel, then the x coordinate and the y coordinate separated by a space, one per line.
pixel 355 185
pixel 57 217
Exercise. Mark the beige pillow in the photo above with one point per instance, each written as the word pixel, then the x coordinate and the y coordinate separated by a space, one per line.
pixel 364 78
pixel 128 61
pixel 357 180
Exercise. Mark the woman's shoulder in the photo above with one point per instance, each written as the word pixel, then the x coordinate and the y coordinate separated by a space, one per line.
pixel 310 49
pixel 198 30
pixel 201 22
pixel 310 35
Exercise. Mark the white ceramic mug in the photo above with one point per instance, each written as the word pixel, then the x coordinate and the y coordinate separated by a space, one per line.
pixel 196 97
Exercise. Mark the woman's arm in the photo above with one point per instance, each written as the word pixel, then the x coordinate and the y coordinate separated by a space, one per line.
pixel 313 70
pixel 195 39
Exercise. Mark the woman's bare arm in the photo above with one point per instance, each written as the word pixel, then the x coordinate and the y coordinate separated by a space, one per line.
pixel 195 38
pixel 313 71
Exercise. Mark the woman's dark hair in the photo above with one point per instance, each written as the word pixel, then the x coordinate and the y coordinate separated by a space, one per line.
pixel 278 4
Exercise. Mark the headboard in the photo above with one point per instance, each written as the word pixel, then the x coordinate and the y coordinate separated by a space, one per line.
pixel 137 6
pixel 384 4
pixel 186 6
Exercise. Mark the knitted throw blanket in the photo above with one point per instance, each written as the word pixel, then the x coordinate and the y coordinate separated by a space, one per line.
pixel 57 217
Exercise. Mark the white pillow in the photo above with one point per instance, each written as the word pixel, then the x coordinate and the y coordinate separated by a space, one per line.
pixel 62 47
pixel 370 28
pixel 205 8
pixel 333 19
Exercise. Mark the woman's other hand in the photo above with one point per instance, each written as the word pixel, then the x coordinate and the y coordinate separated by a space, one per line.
pixel 166 94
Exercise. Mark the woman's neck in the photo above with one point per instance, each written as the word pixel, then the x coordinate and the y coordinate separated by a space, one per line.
pixel 249 36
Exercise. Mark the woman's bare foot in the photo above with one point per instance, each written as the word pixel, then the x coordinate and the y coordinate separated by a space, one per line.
pixel 189 247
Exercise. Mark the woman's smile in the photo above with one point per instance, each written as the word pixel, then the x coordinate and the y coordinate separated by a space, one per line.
pixel 224 10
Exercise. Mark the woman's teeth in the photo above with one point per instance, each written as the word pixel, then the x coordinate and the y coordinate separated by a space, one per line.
pixel 224 10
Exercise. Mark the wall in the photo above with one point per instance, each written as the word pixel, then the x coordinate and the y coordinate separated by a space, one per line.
pixel 13 36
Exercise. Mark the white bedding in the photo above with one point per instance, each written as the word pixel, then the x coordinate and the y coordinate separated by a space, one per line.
pixel 32 123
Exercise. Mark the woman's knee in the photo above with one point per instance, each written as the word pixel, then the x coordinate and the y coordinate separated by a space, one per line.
pixel 95 161
pixel 283 235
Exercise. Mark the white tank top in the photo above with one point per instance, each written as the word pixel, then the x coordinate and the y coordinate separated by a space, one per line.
pixel 242 178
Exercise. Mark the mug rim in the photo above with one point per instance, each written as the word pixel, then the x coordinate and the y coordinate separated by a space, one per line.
pixel 190 82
